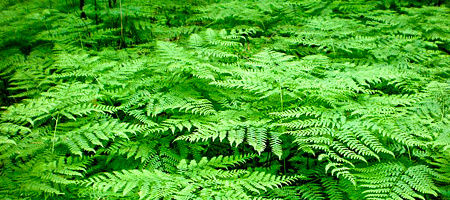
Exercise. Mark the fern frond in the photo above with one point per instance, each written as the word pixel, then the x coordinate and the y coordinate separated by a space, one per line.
pixel 394 180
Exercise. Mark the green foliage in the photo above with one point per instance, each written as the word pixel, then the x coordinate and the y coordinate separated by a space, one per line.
pixel 395 181
pixel 192 180
pixel 314 99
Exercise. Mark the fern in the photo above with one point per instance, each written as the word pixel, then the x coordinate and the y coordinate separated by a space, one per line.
pixel 279 99
pixel 192 176
pixel 394 180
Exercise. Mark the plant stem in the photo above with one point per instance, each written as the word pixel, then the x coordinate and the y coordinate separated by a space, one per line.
pixel 121 24
pixel 54 134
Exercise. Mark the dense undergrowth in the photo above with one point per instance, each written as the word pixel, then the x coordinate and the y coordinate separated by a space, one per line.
pixel 269 99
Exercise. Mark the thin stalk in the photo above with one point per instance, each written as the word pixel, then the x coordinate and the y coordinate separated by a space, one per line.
pixel 409 153
pixel 121 22
pixel 281 96
pixel 81 40
pixel 54 134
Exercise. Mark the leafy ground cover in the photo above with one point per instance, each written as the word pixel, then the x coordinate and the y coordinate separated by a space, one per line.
pixel 231 99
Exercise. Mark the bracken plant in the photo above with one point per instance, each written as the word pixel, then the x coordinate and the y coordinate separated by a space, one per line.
pixel 224 99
